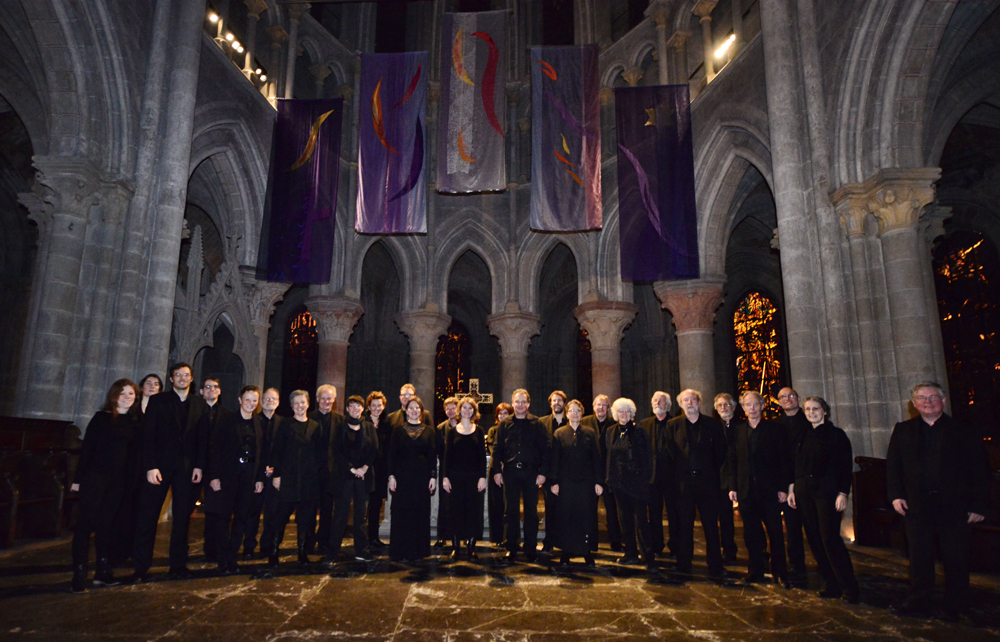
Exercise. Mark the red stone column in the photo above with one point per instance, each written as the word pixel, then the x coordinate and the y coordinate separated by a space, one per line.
pixel 335 320
pixel 604 322
pixel 693 305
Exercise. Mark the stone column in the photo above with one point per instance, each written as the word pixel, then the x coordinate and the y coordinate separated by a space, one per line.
pixel 604 322
pixel 254 9
pixel 931 227
pixel 693 305
pixel 319 74
pixel 703 9
pixel 262 297
pixel 898 197
pixel 335 321
pixel 678 68
pixel 514 329
pixel 737 9
pixel 278 36
pixel 295 13
pixel 660 16
pixel 423 327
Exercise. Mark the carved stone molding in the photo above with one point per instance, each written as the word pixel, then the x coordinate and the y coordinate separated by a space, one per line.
pixel 277 33
pixel 514 329
pixel 335 317
pixel 932 221
pixel 255 7
pixel 633 76
pixel 703 8
pixel 679 39
pixel 605 321
pixel 423 327
pixel 261 296
pixel 659 12
pixel 320 73
pixel 606 96
pixel 692 303
pixel 894 196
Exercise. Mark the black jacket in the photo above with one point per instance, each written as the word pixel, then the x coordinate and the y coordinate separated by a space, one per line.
pixel 549 422
pixel 109 446
pixel 679 445
pixel 170 442
pixel 576 457
pixel 298 457
pixel 963 468
pixel 630 461
pixel 824 457
pixel 525 442
pixel 225 451
pixel 343 456
pixel 772 473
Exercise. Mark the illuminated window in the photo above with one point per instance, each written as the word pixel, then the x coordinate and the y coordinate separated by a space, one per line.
pixel 453 363
pixel 301 354
pixel 757 332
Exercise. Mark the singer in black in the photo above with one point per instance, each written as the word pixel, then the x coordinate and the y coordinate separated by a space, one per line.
pixel 353 449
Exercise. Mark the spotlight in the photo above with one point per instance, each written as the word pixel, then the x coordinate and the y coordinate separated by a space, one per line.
pixel 213 18
pixel 229 37
pixel 721 51
pixel 258 70
pixel 263 78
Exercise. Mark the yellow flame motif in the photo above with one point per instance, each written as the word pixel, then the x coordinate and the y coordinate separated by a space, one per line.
pixel 458 59
pixel 311 143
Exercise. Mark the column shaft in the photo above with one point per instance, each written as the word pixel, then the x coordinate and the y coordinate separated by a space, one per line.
pixel 514 329
pixel 335 321
pixel 295 15
pixel 423 327
pixel 604 322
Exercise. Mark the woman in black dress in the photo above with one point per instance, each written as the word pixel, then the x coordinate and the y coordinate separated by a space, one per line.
pixel 412 472
pixel 297 456
pixel 494 493
pixel 463 477
pixel 376 402
pixel 353 447
pixel 629 470
pixel 823 465
pixel 109 451
pixel 575 474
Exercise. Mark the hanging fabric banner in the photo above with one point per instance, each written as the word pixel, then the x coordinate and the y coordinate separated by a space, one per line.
pixel 392 188
pixel 296 241
pixel 471 116
pixel 565 139
pixel 657 217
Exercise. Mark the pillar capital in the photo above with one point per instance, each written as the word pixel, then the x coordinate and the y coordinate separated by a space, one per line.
pixel 68 186
pixel 679 39
pixel 261 296
pixel 423 327
pixel 296 11
pixel 703 8
pixel 514 329
pixel 659 12
pixel 320 73
pixel 335 317
pixel 692 303
pixel 605 321
pixel 277 33
pixel 851 206
pixel 606 96
pixel 632 76
pixel 894 196
pixel 255 7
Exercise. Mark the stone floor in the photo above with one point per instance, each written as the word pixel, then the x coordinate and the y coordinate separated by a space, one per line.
pixel 441 600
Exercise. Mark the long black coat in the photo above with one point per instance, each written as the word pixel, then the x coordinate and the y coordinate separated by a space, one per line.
pixel 298 457
pixel 630 461
pixel 383 432
pixel 770 461
pixel 225 450
pixel 341 460
pixel 167 441
pixel 109 450
pixel 964 471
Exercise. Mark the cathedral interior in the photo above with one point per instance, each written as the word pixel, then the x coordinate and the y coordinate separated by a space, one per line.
pixel 847 177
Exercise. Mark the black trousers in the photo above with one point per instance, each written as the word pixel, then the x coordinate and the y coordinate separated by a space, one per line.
pixel 305 522
pixel 663 496
pixel 519 484
pixel 355 492
pixel 230 528
pixel 551 503
pixel 821 521
pixel 494 495
pixel 211 527
pixel 701 493
pixel 253 520
pixel 444 511
pixel 178 482
pixel 950 529
pixel 760 513
pixel 727 527
pixel 796 545
pixel 325 506
pixel 611 510
pixel 374 515
pixel 636 535
pixel 97 515
pixel 270 519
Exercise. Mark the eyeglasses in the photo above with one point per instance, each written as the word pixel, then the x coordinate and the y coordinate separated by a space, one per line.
pixel 211 386
pixel 785 397
pixel 923 399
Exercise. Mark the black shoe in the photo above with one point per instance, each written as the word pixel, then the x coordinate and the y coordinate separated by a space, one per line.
pixel 546 547
pixel 303 558
pixel 511 556
pixel 588 561
pixel 104 576
pixel 531 556
pixel 364 557
pixel 629 560
pixel 783 583
pixel 248 556
pixel 79 582
pixel 180 573
pixel 377 543
pixel 718 573
pixel 851 597
pixel 563 564
pixel 652 566
pixel 272 560
pixel 138 578
pixel 471 550
pixel 753 578
pixel 830 593
pixel 729 558
pixel 617 548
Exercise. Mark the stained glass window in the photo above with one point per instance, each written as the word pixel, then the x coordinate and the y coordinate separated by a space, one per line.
pixel 757 333
pixel 301 355
pixel 453 364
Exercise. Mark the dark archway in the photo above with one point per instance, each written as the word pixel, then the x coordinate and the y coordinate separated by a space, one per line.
pixel 301 357
pixel 649 351
pixel 220 362
pixel 451 373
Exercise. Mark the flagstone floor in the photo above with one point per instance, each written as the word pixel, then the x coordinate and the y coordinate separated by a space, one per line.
pixel 441 600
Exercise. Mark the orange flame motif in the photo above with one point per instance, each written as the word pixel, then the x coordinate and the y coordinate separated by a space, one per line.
pixel 310 147
pixel 377 117
pixel 575 177
pixel 462 151
pixel 547 69
pixel 562 158
pixel 458 59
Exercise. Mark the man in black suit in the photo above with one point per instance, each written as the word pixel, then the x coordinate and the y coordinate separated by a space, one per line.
pixel 697 448
pixel 174 452
pixel 398 418
pixel 938 479
pixel 759 476
pixel 211 390
pixel 601 422
pixel 328 420
pixel 795 425
pixel 552 422
pixel 441 433
pixel 725 408
pixel 661 494
pixel 519 465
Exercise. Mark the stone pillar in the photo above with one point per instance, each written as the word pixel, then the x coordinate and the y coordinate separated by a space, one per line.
pixel 660 16
pixel 319 74
pixel 604 322
pixel 254 9
pixel 295 13
pixel 335 320
pixel 898 197
pixel 262 297
pixel 931 227
pixel 678 67
pixel 693 304
pixel 703 9
pixel 278 36
pixel 423 327
pixel 171 195
pixel 737 9
pixel 514 329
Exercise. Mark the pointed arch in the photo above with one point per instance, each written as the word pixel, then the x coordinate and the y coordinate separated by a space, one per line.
pixel 479 233
pixel 531 255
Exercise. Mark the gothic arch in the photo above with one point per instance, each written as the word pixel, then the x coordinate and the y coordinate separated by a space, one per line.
pixel 968 93
pixel 473 233
pixel 409 255
pixel 531 256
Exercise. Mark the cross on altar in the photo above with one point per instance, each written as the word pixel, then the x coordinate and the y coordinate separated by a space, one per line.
pixel 480 397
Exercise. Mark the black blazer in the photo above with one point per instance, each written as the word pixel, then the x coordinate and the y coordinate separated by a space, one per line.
pixel 298 456
pixel 341 462
pixel 225 450
pixel 770 462
pixel 824 458
pixel 679 447
pixel 109 446
pixel 532 437
pixel 549 422
pixel 169 443
pixel 964 473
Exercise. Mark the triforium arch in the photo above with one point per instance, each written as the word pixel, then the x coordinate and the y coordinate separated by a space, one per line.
pixel 473 233
pixel 531 256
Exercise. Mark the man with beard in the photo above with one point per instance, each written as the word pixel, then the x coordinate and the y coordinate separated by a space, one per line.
pixel 552 422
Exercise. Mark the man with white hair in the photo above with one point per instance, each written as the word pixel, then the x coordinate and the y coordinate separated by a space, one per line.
pixel 328 420
pixel 661 494
pixel 697 448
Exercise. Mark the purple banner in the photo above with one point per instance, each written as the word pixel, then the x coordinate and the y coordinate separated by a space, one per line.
pixel 565 139
pixel 472 119
pixel 657 218
pixel 296 242
pixel 392 188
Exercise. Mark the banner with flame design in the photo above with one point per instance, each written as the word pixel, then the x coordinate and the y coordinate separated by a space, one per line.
pixel 565 139
pixel 392 187
pixel 296 241
pixel 657 218
pixel 472 119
